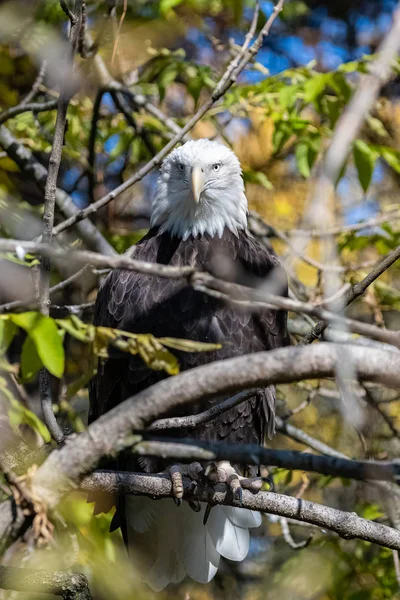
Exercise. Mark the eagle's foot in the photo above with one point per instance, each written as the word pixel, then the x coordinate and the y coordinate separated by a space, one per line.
pixel 223 472
pixel 176 474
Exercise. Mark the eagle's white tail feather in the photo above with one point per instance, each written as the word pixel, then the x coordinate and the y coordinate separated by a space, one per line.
pixel 172 542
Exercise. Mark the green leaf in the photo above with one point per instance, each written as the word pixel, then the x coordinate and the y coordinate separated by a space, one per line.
pixel 390 156
pixel 282 132
pixel 30 361
pixel 294 9
pixel 371 512
pixel 259 177
pixel 7 332
pixel 44 334
pixel 306 154
pixel 166 6
pixel 332 108
pixel 314 87
pixel 288 95
pixel 364 159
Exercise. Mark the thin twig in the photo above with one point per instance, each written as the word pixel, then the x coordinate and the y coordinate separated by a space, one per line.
pixel 68 12
pixel 59 287
pixel 356 291
pixel 193 420
pixel 48 216
pixel 35 107
pixel 121 22
pixel 36 85
pixel 287 536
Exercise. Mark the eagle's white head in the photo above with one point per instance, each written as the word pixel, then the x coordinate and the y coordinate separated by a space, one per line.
pixel 200 190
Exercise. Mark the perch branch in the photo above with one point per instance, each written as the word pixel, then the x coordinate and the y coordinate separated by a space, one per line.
pixel 66 466
pixel 346 525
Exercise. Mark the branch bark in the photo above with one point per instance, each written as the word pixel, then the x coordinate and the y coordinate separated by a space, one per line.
pixel 70 586
pixel 244 297
pixel 356 291
pixel 347 525
pixel 50 192
pixel 66 466
pixel 189 450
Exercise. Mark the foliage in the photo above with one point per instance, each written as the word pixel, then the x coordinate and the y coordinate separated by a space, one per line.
pixel 280 126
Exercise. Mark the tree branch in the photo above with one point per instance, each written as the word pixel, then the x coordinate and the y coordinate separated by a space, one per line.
pixel 72 586
pixel 356 291
pixel 50 192
pixel 66 466
pixel 347 525
pixel 241 296
pixel 190 450
pixel 35 107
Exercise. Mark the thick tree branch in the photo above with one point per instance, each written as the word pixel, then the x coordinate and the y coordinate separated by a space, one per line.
pixel 189 450
pixel 347 525
pixel 241 296
pixel 66 466
pixel 70 586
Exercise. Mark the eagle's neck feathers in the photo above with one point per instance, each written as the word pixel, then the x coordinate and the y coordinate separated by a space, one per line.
pixel 183 219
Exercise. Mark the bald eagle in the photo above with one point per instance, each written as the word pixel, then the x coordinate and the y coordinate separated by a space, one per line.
pixel 199 219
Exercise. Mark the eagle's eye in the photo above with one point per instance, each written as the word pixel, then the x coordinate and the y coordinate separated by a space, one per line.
pixel 216 167
pixel 181 167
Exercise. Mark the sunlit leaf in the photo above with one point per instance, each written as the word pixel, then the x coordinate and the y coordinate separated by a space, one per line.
pixel 44 334
pixel 7 333
pixel 364 158
pixel 30 361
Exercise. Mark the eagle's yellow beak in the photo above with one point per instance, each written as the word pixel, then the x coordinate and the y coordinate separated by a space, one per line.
pixel 198 180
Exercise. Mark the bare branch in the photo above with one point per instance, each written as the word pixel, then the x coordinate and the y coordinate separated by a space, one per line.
pixel 65 467
pixel 50 192
pixel 356 291
pixel 287 536
pixel 36 85
pixel 72 586
pixel 18 304
pixel 387 217
pixel 193 420
pixel 350 122
pixel 241 296
pixel 347 525
pixel 188 450
pixel 35 107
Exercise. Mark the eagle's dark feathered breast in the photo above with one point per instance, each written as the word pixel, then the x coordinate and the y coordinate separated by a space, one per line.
pixel 165 307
